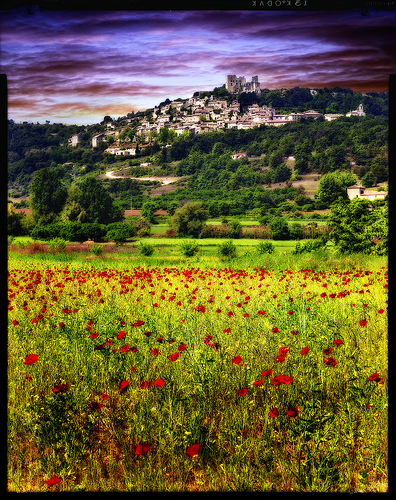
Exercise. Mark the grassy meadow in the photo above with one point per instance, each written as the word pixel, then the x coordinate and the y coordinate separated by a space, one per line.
pixel 167 373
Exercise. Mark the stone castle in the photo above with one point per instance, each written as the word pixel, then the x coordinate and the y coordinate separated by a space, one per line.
pixel 234 84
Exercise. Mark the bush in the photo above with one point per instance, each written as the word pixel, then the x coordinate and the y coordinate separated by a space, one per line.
pixel 189 248
pixel 295 231
pixel 97 249
pixel 146 249
pixel 265 247
pixel 57 245
pixel 227 249
pixel 308 246
pixel 279 228
pixel 236 229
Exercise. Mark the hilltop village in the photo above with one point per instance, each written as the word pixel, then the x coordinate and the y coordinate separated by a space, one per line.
pixel 207 114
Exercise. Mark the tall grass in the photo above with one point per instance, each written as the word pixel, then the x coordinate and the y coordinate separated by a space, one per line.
pixel 192 344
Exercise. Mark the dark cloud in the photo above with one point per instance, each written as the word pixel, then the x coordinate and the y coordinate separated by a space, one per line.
pixel 62 60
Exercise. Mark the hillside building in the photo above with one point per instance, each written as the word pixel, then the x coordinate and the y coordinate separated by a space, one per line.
pixel 361 192
pixel 357 112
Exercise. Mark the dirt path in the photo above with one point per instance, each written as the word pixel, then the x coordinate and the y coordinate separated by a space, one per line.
pixel 163 180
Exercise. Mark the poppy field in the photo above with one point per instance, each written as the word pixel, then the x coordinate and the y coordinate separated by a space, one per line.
pixel 184 378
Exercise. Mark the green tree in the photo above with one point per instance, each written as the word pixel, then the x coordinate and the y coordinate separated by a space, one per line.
pixel 189 219
pixel 332 186
pixel 359 225
pixel 47 196
pixel 96 202
pixel 14 222
pixel 369 180
pixel 148 209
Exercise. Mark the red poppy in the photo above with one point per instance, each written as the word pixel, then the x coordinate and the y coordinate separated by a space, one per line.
pixel 283 351
pixel 124 386
pixel 275 330
pixel 60 388
pixel 280 359
pixel 375 377
pixel 380 311
pixel 142 449
pixel 31 359
pixel 242 391
pixel 121 335
pixel 294 332
pixel 327 351
pixel 230 313
pixel 292 411
pixel 125 348
pixel 93 335
pixel 53 480
pixel 181 347
pixel 330 361
pixel 274 412
pixel 266 373
pixel 207 339
pixel 95 406
pixel 285 379
pixel 160 382
pixel 258 382
pixel 174 356
pixel 304 350
pixel 154 352
pixel 105 396
pixel 227 330
pixel 193 449
pixel 16 323
pixel 363 322
pixel 237 360
pixel 338 342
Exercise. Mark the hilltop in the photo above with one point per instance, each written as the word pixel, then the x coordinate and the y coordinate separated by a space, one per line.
pixel 195 140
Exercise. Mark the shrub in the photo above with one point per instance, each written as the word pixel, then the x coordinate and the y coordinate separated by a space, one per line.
pixel 189 248
pixel 57 245
pixel 118 235
pixel 279 228
pixel 97 249
pixel 227 249
pixel 295 231
pixel 265 247
pixel 308 246
pixel 146 249
pixel 236 229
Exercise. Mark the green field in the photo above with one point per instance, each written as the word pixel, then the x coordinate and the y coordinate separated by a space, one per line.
pixel 166 373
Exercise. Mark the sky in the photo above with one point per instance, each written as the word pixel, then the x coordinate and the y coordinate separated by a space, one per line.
pixel 75 67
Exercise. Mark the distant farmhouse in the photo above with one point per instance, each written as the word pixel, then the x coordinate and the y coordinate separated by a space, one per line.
pixel 361 192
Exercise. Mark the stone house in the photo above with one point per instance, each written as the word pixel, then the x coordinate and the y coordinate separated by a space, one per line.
pixel 361 192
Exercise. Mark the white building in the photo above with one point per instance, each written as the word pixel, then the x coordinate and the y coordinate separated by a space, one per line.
pixel 361 192
pixel 358 112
